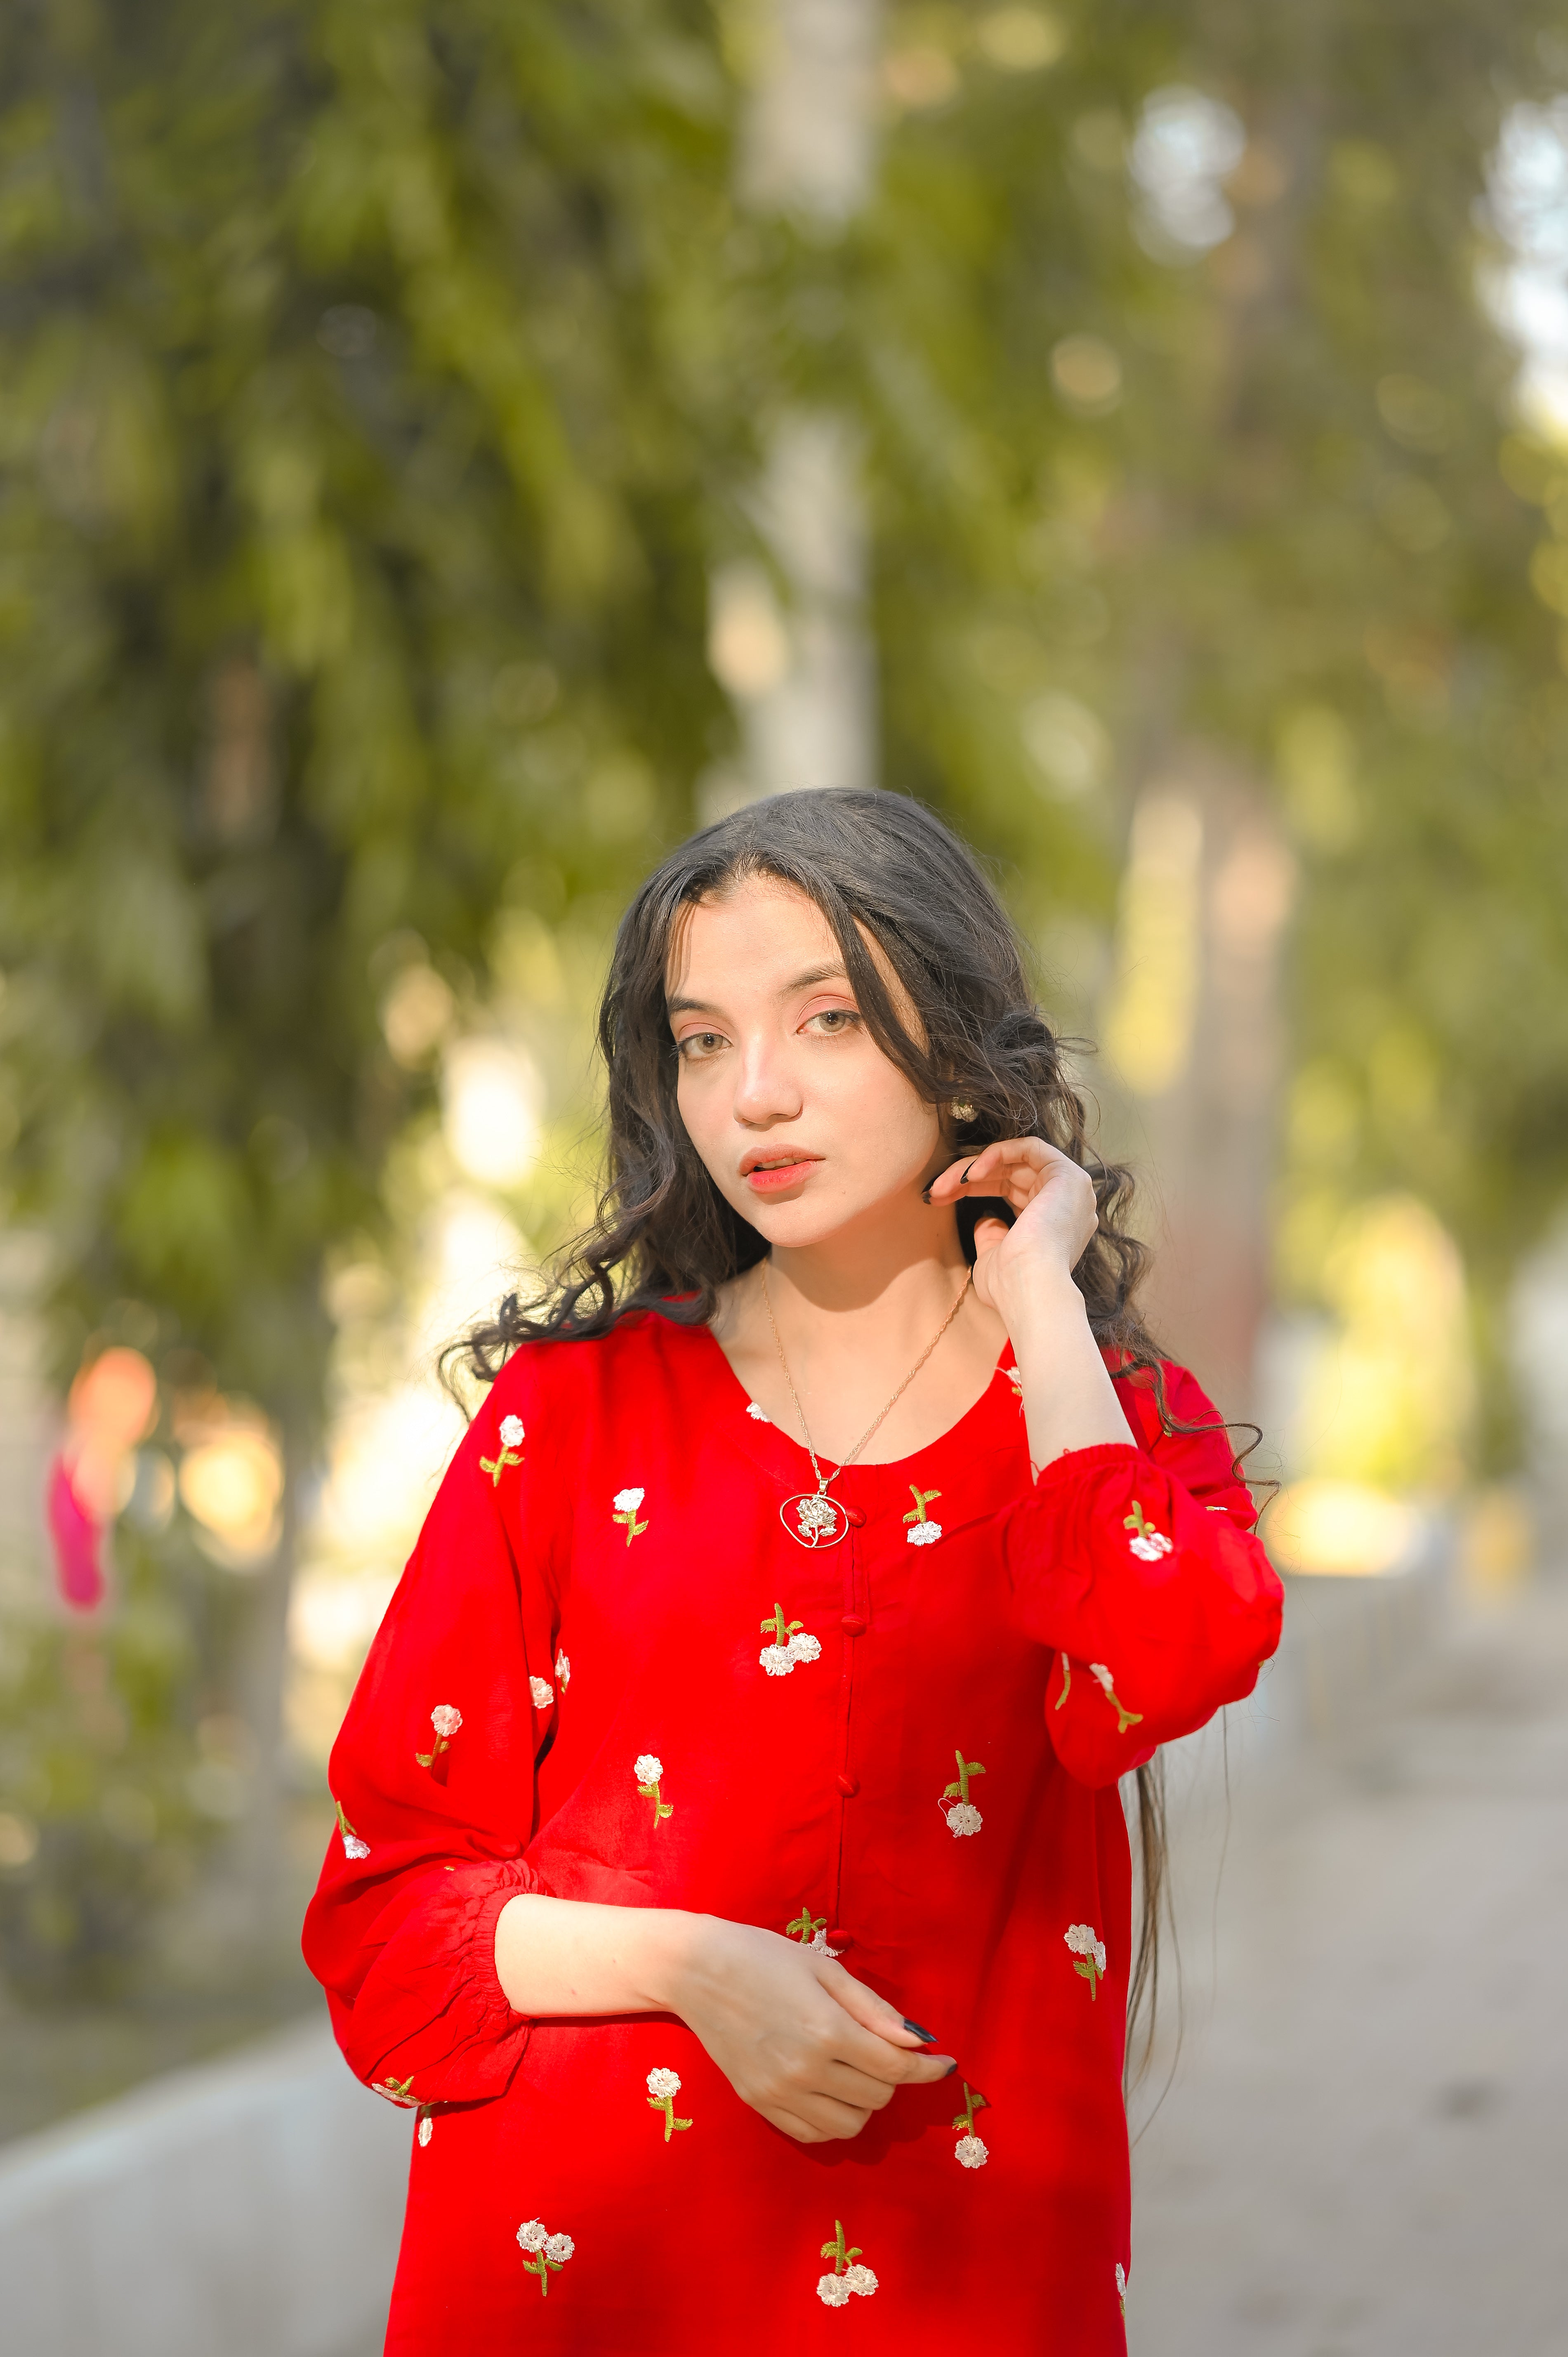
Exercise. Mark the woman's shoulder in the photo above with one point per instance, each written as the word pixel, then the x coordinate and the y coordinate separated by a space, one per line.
pixel 567 1375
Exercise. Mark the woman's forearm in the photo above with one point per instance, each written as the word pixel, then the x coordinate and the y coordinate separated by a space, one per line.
pixel 566 1958
pixel 1069 1400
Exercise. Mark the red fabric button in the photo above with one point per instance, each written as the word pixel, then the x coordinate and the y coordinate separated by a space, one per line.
pixel 849 1786
pixel 841 1940
pixel 854 1624
pixel 855 1518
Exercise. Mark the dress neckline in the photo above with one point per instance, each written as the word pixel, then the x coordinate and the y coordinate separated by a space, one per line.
pixel 885 1465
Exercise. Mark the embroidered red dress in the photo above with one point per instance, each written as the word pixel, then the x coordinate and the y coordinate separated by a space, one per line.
pixel 611 1672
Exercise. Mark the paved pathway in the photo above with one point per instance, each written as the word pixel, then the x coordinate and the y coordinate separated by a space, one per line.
pixel 1365 2150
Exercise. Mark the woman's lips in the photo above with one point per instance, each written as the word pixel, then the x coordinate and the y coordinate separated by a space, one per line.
pixel 773 1181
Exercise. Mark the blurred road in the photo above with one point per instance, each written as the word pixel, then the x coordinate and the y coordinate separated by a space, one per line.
pixel 1365 2150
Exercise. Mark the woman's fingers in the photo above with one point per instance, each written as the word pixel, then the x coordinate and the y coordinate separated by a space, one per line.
pixel 864 2005
pixel 1013 1167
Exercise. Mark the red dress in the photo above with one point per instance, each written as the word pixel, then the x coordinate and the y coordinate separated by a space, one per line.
pixel 611 1672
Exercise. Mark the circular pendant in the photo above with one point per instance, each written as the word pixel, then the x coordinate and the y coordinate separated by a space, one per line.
pixel 814 1520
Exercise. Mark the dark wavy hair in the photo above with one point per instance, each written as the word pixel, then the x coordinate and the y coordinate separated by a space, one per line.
pixel 884 868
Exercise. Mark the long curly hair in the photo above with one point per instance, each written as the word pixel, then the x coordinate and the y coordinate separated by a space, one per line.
pixel 882 869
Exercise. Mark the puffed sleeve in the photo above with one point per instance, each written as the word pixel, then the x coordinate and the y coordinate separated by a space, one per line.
pixel 1138 1566
pixel 434 1779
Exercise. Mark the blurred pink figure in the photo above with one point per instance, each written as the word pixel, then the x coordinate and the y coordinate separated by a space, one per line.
pixel 113 1405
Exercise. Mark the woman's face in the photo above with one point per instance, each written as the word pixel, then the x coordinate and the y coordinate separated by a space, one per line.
pixel 803 1122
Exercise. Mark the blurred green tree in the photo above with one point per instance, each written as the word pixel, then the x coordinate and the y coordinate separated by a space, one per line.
pixel 367 398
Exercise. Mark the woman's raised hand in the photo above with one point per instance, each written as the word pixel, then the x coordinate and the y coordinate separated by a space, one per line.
pixel 799 2038
pixel 1055 1212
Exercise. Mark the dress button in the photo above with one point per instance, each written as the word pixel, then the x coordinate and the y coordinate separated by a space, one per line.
pixel 854 1517
pixel 849 1786
pixel 841 1940
pixel 854 1624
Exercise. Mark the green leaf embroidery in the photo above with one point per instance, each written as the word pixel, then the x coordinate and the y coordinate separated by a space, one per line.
pixel 805 1925
pixel 496 1466
pixel 966 1769
pixel 1067 1680
pixel 972 2102
pixel 922 1498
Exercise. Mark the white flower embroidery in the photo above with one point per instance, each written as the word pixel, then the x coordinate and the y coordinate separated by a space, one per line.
pixel 352 1846
pixel 1122 2286
pixel 445 1718
pixel 549 2252
pixel 1090 1952
pixel 1015 1377
pixel 511 1431
pixel 544 1692
pixel 1150 1543
pixel 663 2086
pixel 425 2126
pixel 791 1644
pixel 563 1671
pixel 759 1414
pixel 924 1532
pixel 649 1771
pixel 820 1946
pixel 970 2153
pixel 626 1503
pixel 1125 1717
pixel 955 1804
pixel 834 2290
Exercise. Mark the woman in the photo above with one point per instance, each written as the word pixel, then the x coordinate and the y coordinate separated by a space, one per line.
pixel 758 1690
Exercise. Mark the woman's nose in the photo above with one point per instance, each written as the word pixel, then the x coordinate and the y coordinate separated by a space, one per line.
pixel 766 1090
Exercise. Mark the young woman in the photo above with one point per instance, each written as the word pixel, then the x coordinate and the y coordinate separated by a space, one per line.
pixel 731 1872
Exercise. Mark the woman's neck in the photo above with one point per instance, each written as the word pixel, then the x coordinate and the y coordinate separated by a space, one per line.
pixel 852 1316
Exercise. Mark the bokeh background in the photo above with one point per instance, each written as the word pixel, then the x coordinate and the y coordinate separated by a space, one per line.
pixel 445 455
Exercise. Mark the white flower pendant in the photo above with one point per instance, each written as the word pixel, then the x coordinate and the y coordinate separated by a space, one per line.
pixel 815 1520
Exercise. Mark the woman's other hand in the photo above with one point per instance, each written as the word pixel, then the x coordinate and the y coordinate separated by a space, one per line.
pixel 799 2038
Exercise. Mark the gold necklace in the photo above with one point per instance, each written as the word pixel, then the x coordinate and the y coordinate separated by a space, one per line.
pixel 821 1521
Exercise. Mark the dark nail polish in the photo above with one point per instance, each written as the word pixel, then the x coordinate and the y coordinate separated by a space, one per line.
pixel 926 2037
pixel 950 2068
pixel 925 1194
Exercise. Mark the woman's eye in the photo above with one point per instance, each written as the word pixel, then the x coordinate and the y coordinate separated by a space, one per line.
pixel 836 1020
pixel 697 1044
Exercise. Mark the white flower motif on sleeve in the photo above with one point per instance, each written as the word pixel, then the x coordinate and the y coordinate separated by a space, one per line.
pixel 832 2291
pixel 425 2129
pixel 445 1718
pixel 1122 2286
pixel 1125 1717
pixel 626 1503
pixel 544 1692
pixel 649 1771
pixel 352 1846
pixel 562 1670
pixel 1089 1951
pixel 509 1452
pixel 544 2252
pixel 759 1415
pixel 925 1532
pixel 1150 1543
pixel 860 2279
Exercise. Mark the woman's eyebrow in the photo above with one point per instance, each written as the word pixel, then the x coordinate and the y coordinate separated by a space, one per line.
pixel 808 981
